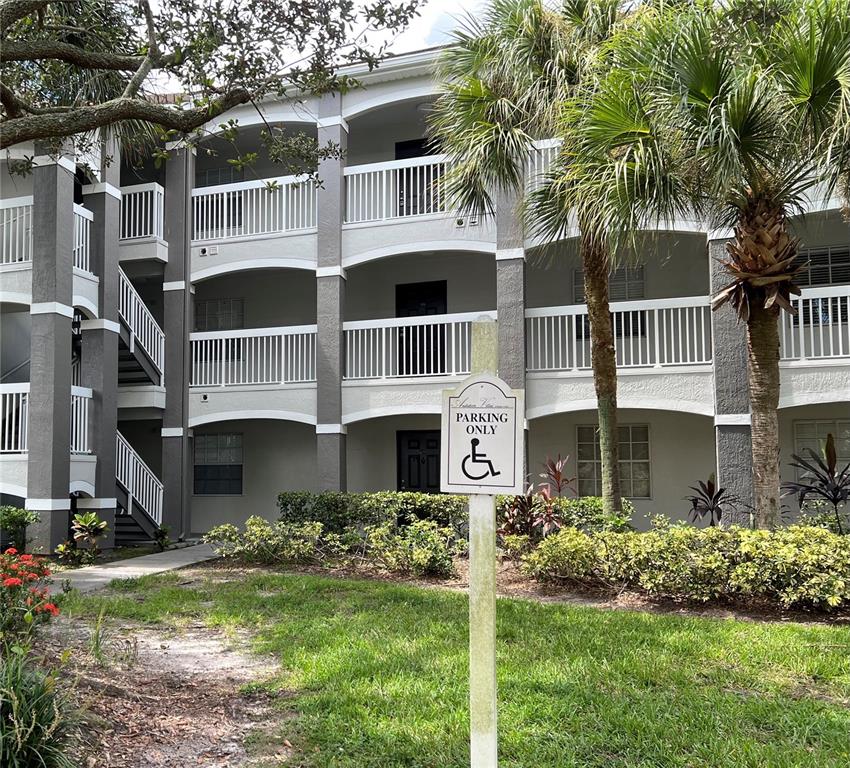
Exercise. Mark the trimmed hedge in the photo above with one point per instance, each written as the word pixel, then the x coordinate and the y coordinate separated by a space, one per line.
pixel 337 511
pixel 798 566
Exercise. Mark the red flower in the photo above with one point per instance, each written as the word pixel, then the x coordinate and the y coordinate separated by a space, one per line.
pixel 51 609
pixel 12 582
pixel 26 558
pixel 11 551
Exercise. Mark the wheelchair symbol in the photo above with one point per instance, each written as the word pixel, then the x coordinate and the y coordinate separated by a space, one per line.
pixel 478 458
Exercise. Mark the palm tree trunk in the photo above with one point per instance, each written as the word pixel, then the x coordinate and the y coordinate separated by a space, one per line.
pixel 763 374
pixel 604 361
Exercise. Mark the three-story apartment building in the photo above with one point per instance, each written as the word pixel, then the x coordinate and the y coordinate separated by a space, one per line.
pixel 180 344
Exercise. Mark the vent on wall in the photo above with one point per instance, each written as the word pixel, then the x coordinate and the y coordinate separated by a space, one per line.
pixel 208 250
pixel 466 221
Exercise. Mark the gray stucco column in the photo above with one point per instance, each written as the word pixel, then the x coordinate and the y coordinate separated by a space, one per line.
pixel 99 350
pixel 177 465
pixel 510 290
pixel 330 303
pixel 731 394
pixel 49 403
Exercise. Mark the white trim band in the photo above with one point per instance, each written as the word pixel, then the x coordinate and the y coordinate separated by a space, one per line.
pixel 62 161
pixel 47 505
pixel 328 122
pixel 87 503
pixel 505 254
pixel 172 431
pixel 331 272
pixel 331 429
pixel 104 186
pixel 51 308
pixel 174 285
pixel 732 420
pixel 172 145
pixel 100 325
pixel 726 233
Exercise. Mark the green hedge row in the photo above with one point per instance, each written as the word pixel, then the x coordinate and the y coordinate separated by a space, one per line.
pixel 337 511
pixel 798 566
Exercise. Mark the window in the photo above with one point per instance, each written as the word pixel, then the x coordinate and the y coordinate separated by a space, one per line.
pixel 624 284
pixel 634 461
pixel 827 266
pixel 812 434
pixel 212 177
pixel 219 314
pixel 218 464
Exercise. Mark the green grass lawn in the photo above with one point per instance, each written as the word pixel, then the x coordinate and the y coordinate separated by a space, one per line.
pixel 379 675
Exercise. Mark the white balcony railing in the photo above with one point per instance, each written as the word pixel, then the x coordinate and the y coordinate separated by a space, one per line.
pixel 80 399
pixel 821 328
pixel 394 190
pixel 82 237
pixel 651 333
pixel 13 417
pixel 540 163
pixel 251 208
pixel 142 212
pixel 433 345
pixel 254 356
pixel 144 330
pixel 138 480
pixel 16 230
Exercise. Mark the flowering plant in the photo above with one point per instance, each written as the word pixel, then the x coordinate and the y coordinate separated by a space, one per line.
pixel 24 597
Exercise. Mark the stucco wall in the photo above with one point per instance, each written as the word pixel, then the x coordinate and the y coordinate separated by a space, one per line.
pixel 470 278
pixel 681 448
pixel 277 456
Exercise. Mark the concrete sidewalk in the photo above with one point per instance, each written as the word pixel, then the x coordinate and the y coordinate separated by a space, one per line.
pixel 95 577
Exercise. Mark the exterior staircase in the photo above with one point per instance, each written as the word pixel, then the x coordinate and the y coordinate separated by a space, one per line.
pixel 139 496
pixel 141 354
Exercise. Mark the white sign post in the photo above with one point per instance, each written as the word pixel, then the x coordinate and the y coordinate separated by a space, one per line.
pixel 482 455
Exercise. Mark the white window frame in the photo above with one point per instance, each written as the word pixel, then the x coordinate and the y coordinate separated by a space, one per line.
pixel 220 311
pixel 837 258
pixel 822 427
pixel 624 284
pixel 241 462
pixel 597 460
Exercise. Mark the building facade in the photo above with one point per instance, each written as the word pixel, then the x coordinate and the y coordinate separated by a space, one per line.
pixel 180 344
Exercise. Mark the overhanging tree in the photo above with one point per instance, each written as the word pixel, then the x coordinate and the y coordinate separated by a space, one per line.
pixel 68 68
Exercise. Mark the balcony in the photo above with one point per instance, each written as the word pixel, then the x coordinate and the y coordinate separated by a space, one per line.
pixel 399 207
pixel 14 429
pixel 16 250
pixel 229 368
pixel 143 223
pixel 245 221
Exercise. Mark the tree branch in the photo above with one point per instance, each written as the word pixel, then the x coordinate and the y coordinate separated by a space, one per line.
pixel 88 118
pixel 15 50
pixel 13 10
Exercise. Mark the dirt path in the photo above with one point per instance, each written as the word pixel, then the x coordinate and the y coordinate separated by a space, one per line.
pixel 163 699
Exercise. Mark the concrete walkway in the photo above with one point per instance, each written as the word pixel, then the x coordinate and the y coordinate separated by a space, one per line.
pixel 95 577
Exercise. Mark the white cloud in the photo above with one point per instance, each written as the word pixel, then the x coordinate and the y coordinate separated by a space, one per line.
pixel 436 20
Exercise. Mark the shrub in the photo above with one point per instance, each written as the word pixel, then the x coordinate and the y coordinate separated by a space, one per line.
pixel 338 511
pixel 39 727
pixel 799 566
pixel 520 515
pixel 13 524
pixel 272 543
pixel 422 548
pixel 24 600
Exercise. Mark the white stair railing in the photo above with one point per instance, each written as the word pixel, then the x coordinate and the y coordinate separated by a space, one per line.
pixel 144 329
pixel 13 417
pixel 254 356
pixel 82 237
pixel 16 230
pixel 80 399
pixel 138 480
pixel 251 208
pixel 821 328
pixel 394 190
pixel 142 212
pixel 651 333
pixel 433 345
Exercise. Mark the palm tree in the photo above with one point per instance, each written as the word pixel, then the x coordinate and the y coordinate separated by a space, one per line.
pixel 741 122
pixel 505 83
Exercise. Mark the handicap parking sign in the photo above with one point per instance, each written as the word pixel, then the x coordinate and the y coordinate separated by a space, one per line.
pixel 482 438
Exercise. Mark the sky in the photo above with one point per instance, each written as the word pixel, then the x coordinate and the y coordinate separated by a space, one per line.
pixel 436 19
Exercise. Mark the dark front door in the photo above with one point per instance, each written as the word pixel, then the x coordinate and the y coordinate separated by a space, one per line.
pixel 419 461
pixel 422 348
